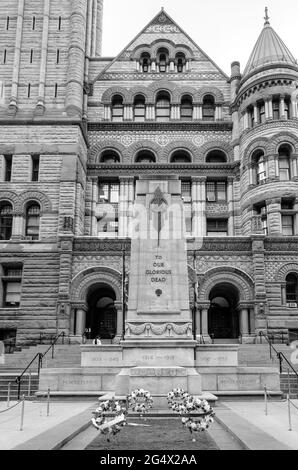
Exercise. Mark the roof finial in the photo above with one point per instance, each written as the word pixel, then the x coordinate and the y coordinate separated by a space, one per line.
pixel 266 17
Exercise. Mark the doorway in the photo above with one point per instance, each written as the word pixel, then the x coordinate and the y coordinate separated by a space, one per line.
pixel 101 317
pixel 223 317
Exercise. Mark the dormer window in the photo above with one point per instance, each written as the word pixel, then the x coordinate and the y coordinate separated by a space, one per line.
pixel 145 62
pixel 162 59
pixel 180 62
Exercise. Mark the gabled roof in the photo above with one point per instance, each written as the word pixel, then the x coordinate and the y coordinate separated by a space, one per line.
pixel 269 49
pixel 163 21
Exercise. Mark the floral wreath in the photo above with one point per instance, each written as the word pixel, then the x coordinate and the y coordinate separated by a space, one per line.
pixel 178 400
pixel 140 401
pixel 111 409
pixel 201 422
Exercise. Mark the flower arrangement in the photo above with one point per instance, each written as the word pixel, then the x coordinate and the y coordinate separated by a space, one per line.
pixel 179 401
pixel 201 422
pixel 140 401
pixel 109 409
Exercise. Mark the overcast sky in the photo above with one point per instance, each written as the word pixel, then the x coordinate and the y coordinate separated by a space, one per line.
pixel 226 30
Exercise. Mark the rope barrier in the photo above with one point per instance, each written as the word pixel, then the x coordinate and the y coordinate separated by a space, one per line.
pixel 11 407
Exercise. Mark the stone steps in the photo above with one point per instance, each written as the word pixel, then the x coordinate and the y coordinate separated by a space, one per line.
pixel 7 378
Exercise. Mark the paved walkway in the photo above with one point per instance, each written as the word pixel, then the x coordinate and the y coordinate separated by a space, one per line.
pixel 261 431
pixel 37 423
pixel 245 420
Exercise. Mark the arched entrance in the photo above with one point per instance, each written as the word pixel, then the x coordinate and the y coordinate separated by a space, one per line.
pixel 223 317
pixel 101 317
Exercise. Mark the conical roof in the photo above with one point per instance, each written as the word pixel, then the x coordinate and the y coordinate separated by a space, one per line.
pixel 269 49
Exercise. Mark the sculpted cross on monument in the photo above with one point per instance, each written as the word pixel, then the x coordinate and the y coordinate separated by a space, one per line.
pixel 159 205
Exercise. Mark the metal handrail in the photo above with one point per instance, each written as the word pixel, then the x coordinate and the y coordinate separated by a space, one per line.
pixel 19 377
pixel 280 355
pixel 40 358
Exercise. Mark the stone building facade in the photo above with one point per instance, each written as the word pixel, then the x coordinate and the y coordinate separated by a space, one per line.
pixel 77 130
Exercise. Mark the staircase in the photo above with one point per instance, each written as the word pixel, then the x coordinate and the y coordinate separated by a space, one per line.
pixel 289 384
pixel 65 356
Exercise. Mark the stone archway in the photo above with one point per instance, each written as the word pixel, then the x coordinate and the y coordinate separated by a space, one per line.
pixel 223 315
pixel 101 316
pixel 88 288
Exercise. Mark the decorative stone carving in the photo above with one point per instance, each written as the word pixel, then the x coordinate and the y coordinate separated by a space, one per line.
pixel 68 224
pixel 153 329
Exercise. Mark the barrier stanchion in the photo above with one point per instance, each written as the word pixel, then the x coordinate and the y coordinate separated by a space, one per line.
pixel 266 400
pixel 8 394
pixel 22 413
pixel 289 384
pixel 48 403
pixel 29 385
pixel 289 412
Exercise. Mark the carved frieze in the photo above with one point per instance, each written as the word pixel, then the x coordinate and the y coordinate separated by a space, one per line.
pixel 158 329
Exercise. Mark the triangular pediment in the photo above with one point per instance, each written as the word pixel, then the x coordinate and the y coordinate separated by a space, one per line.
pixel 163 31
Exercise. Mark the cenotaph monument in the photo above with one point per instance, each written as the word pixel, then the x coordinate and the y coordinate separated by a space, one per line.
pixel 158 349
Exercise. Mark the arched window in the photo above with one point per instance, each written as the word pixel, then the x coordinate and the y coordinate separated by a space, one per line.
pixel 261 111
pixel 139 108
pixel 186 108
pixel 163 106
pixel 258 161
pixel 117 108
pixel 109 156
pixel 32 221
pixel 6 218
pixel 292 288
pixel 275 107
pixel 145 62
pixel 162 59
pixel 251 116
pixel 208 108
pixel 145 156
pixel 287 107
pixel 284 154
pixel 180 62
pixel 180 156
pixel 216 156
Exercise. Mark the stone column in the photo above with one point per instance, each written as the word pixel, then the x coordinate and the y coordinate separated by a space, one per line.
pixel 282 107
pixel 175 111
pixel 198 206
pixel 294 108
pixel 130 201
pixel 18 226
pixel 172 66
pixel 197 111
pixel 276 166
pixel 283 294
pixel 40 107
pixel 267 108
pixel 244 321
pixel 13 101
pixel 198 324
pixel 80 321
pixel 107 113
pixel 270 109
pixel 153 66
pixel 119 327
pixel 294 166
pixel 76 59
pixel 93 36
pixel 204 323
pixel 256 114
pixel 98 48
pixel 121 215
pixel 94 200
pixel 72 321
pixel 150 112
pixel 230 207
pixel 218 113
pixel 245 120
